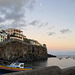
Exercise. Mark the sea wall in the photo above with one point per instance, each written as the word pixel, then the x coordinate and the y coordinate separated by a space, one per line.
pixel 53 70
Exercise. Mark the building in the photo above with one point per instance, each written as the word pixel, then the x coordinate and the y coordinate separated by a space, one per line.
pixel 44 45
pixel 15 34
pixel 34 42
pixel 3 35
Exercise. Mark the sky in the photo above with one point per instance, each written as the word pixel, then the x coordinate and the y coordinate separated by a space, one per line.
pixel 51 22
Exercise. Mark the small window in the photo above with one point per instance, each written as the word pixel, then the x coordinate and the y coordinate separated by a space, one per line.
pixel 1 36
pixel 22 65
pixel 1 39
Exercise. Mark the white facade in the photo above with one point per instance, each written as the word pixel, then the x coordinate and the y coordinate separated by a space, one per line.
pixel 34 42
pixel 3 35
pixel 15 34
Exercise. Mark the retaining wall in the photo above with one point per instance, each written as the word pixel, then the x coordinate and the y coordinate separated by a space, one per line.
pixel 52 70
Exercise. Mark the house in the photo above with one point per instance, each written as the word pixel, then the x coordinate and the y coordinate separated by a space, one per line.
pixel 15 34
pixel 34 42
pixel 3 35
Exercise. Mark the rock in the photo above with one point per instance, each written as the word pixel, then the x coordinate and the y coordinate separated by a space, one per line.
pixel 69 71
pixel 49 55
pixel 14 50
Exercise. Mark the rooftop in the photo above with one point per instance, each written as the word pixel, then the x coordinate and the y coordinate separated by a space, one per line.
pixel 14 29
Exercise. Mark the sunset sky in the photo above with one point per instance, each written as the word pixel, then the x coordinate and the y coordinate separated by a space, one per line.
pixel 49 21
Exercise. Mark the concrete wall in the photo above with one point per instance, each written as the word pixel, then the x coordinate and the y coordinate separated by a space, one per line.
pixel 53 70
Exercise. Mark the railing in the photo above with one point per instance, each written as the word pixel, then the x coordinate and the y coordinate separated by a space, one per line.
pixel 15 36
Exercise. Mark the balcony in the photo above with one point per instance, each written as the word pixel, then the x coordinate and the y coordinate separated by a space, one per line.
pixel 14 35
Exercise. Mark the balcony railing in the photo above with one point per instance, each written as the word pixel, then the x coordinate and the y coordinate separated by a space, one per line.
pixel 13 35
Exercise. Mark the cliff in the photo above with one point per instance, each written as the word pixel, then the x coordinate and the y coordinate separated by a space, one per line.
pixel 21 51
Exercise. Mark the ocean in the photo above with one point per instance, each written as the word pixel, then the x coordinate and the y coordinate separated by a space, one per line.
pixel 65 62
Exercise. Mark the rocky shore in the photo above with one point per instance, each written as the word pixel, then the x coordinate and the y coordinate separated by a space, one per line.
pixel 50 55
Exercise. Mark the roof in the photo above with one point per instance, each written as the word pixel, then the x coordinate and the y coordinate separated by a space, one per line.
pixel 3 31
pixel 14 29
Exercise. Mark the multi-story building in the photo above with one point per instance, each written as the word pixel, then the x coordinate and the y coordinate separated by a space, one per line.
pixel 15 34
pixel 3 35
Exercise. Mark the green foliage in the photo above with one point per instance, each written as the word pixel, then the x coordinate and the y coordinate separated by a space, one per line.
pixel 1 45
pixel 14 41
pixel 8 43
pixel 27 40
pixel 15 54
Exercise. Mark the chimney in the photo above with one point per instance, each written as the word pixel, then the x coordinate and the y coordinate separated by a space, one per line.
pixel 0 29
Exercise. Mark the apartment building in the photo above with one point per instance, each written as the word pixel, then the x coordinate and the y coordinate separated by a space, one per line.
pixel 15 34
pixel 3 35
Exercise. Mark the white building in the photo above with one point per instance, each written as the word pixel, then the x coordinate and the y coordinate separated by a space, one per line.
pixel 15 34
pixel 34 42
pixel 3 35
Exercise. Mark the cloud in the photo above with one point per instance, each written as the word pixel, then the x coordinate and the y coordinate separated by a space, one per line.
pixel 51 27
pixel 14 11
pixel 32 2
pixel 34 23
pixel 38 23
pixel 51 33
pixel 65 31
pixel 43 24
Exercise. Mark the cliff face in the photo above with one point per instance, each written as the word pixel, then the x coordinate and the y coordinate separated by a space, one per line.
pixel 21 51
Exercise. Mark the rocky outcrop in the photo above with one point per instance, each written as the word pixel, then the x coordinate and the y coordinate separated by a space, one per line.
pixel 21 51
pixel 50 55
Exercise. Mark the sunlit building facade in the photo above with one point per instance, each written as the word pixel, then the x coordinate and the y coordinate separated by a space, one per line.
pixel 15 34
pixel 3 35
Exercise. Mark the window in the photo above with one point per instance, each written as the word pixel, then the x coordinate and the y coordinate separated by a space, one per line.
pixel 1 39
pixel 22 65
pixel 1 36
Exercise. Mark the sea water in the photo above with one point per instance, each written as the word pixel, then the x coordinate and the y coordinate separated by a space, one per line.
pixel 65 62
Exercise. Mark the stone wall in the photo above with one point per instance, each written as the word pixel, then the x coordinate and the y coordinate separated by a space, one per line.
pixel 53 70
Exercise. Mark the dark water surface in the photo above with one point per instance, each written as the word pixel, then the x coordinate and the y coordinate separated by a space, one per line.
pixel 63 63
